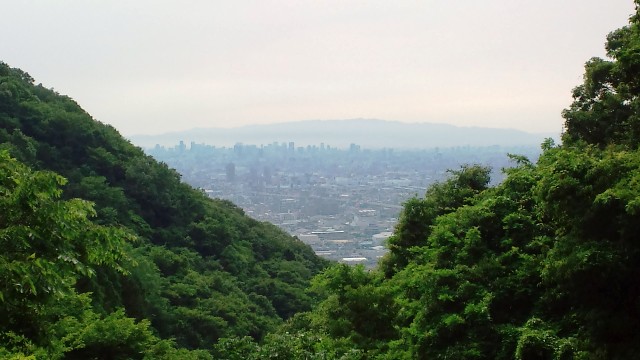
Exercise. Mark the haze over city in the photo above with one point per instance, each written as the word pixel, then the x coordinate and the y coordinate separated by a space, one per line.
pixel 149 67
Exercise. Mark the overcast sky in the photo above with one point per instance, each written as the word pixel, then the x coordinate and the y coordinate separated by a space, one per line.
pixel 150 67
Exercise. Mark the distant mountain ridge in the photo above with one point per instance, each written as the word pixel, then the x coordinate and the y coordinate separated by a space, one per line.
pixel 368 133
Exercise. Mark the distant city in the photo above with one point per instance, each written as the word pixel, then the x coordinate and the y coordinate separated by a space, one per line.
pixel 343 202
pixel 368 133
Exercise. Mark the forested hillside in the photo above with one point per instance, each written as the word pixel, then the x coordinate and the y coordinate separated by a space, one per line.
pixel 143 265
pixel 545 265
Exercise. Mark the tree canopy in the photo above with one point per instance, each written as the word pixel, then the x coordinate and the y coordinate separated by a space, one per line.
pixel 87 216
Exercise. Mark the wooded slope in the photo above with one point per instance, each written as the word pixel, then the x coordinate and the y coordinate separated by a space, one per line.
pixel 184 266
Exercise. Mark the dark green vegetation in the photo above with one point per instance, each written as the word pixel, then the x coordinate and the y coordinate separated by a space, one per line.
pixel 543 266
pixel 144 266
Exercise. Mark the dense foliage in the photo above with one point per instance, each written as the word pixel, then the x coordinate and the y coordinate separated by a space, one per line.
pixel 144 265
pixel 544 265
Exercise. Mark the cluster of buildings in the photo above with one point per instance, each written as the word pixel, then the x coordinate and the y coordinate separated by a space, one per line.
pixel 344 203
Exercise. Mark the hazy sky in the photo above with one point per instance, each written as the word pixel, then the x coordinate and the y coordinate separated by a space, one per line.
pixel 149 67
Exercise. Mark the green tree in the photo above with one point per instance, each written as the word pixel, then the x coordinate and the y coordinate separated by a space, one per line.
pixel 605 106
pixel 418 215
pixel 48 243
